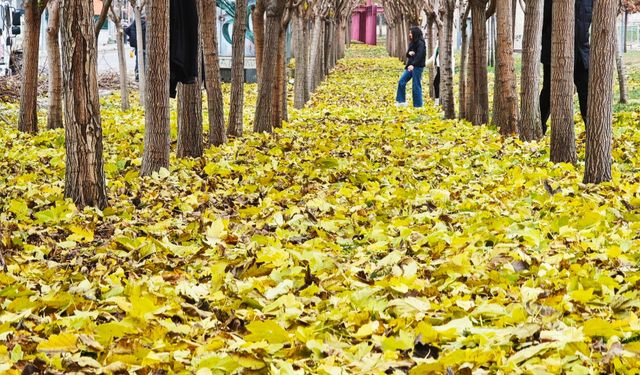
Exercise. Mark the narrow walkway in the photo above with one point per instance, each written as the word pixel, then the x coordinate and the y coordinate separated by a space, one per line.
pixel 361 238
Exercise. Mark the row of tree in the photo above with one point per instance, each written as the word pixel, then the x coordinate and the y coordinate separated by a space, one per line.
pixel 320 33
pixel 507 116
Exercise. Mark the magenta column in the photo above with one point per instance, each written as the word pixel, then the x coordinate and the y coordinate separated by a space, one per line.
pixel 355 25
pixel 371 23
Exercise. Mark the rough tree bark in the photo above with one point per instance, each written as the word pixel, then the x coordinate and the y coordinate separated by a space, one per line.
pixel 307 51
pixel 116 16
pixel 257 19
pixel 279 88
pixel 299 97
pixel 478 112
pixel 263 121
pixel 28 119
pixel 54 117
pixel 431 46
pixel 446 71
pixel 505 115
pixel 599 132
pixel 529 125
pixel 189 120
pixel 314 60
pixel 217 133
pixel 563 138
pixel 235 127
pixel 84 175
pixel 156 135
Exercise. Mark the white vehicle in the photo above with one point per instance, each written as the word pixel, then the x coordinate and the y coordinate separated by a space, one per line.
pixel 11 37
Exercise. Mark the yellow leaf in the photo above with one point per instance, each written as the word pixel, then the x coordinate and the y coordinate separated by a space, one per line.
pixel 367 329
pixel 269 331
pixel 600 327
pixel 64 342
pixel 582 296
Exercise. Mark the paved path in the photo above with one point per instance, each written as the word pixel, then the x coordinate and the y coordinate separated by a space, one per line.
pixel 107 60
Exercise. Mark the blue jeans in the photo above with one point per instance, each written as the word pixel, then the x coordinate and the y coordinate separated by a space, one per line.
pixel 416 87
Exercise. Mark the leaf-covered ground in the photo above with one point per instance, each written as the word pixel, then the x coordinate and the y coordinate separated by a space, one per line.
pixel 358 239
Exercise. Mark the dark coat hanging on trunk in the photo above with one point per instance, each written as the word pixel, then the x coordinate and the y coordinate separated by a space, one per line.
pixel 184 39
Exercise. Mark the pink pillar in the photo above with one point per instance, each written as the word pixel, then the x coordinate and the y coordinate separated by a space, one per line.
pixel 371 23
pixel 355 26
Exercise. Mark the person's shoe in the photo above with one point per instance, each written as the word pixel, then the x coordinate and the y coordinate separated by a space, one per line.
pixel 398 104
pixel 437 101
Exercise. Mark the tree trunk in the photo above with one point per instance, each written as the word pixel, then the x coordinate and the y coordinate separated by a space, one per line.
pixel 326 48
pixel 142 71
pixel 157 136
pixel 470 95
pixel 307 52
pixel 506 109
pixel 622 77
pixel 122 62
pixel 257 18
pixel 314 60
pixel 529 124
pixel 624 30
pixel 341 39
pixel 235 127
pixel 430 50
pixel 389 41
pixel 284 93
pixel 446 71
pixel 217 134
pixel 278 87
pixel 28 120
pixel 463 64
pixel 84 174
pixel 492 41
pixel 478 113
pixel 563 138
pixel 189 120
pixel 599 132
pixel 265 107
pixel 514 4
pixel 324 51
pixel 54 118
pixel 190 142
pixel 349 36
pixel 299 97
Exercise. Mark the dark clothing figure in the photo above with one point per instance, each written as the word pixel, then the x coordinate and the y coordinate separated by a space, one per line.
pixel 435 62
pixel 131 33
pixel 183 51
pixel 583 9
pixel 416 59
pixel 419 49
pixel 436 85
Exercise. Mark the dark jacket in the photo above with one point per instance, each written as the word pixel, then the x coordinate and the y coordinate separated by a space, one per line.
pixel 419 47
pixel 131 31
pixel 583 23
pixel 183 46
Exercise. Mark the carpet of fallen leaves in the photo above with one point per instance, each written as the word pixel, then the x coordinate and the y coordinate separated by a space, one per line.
pixel 360 238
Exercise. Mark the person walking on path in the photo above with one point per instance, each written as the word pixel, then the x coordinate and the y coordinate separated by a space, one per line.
pixel 581 58
pixel 416 60
pixel 130 32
